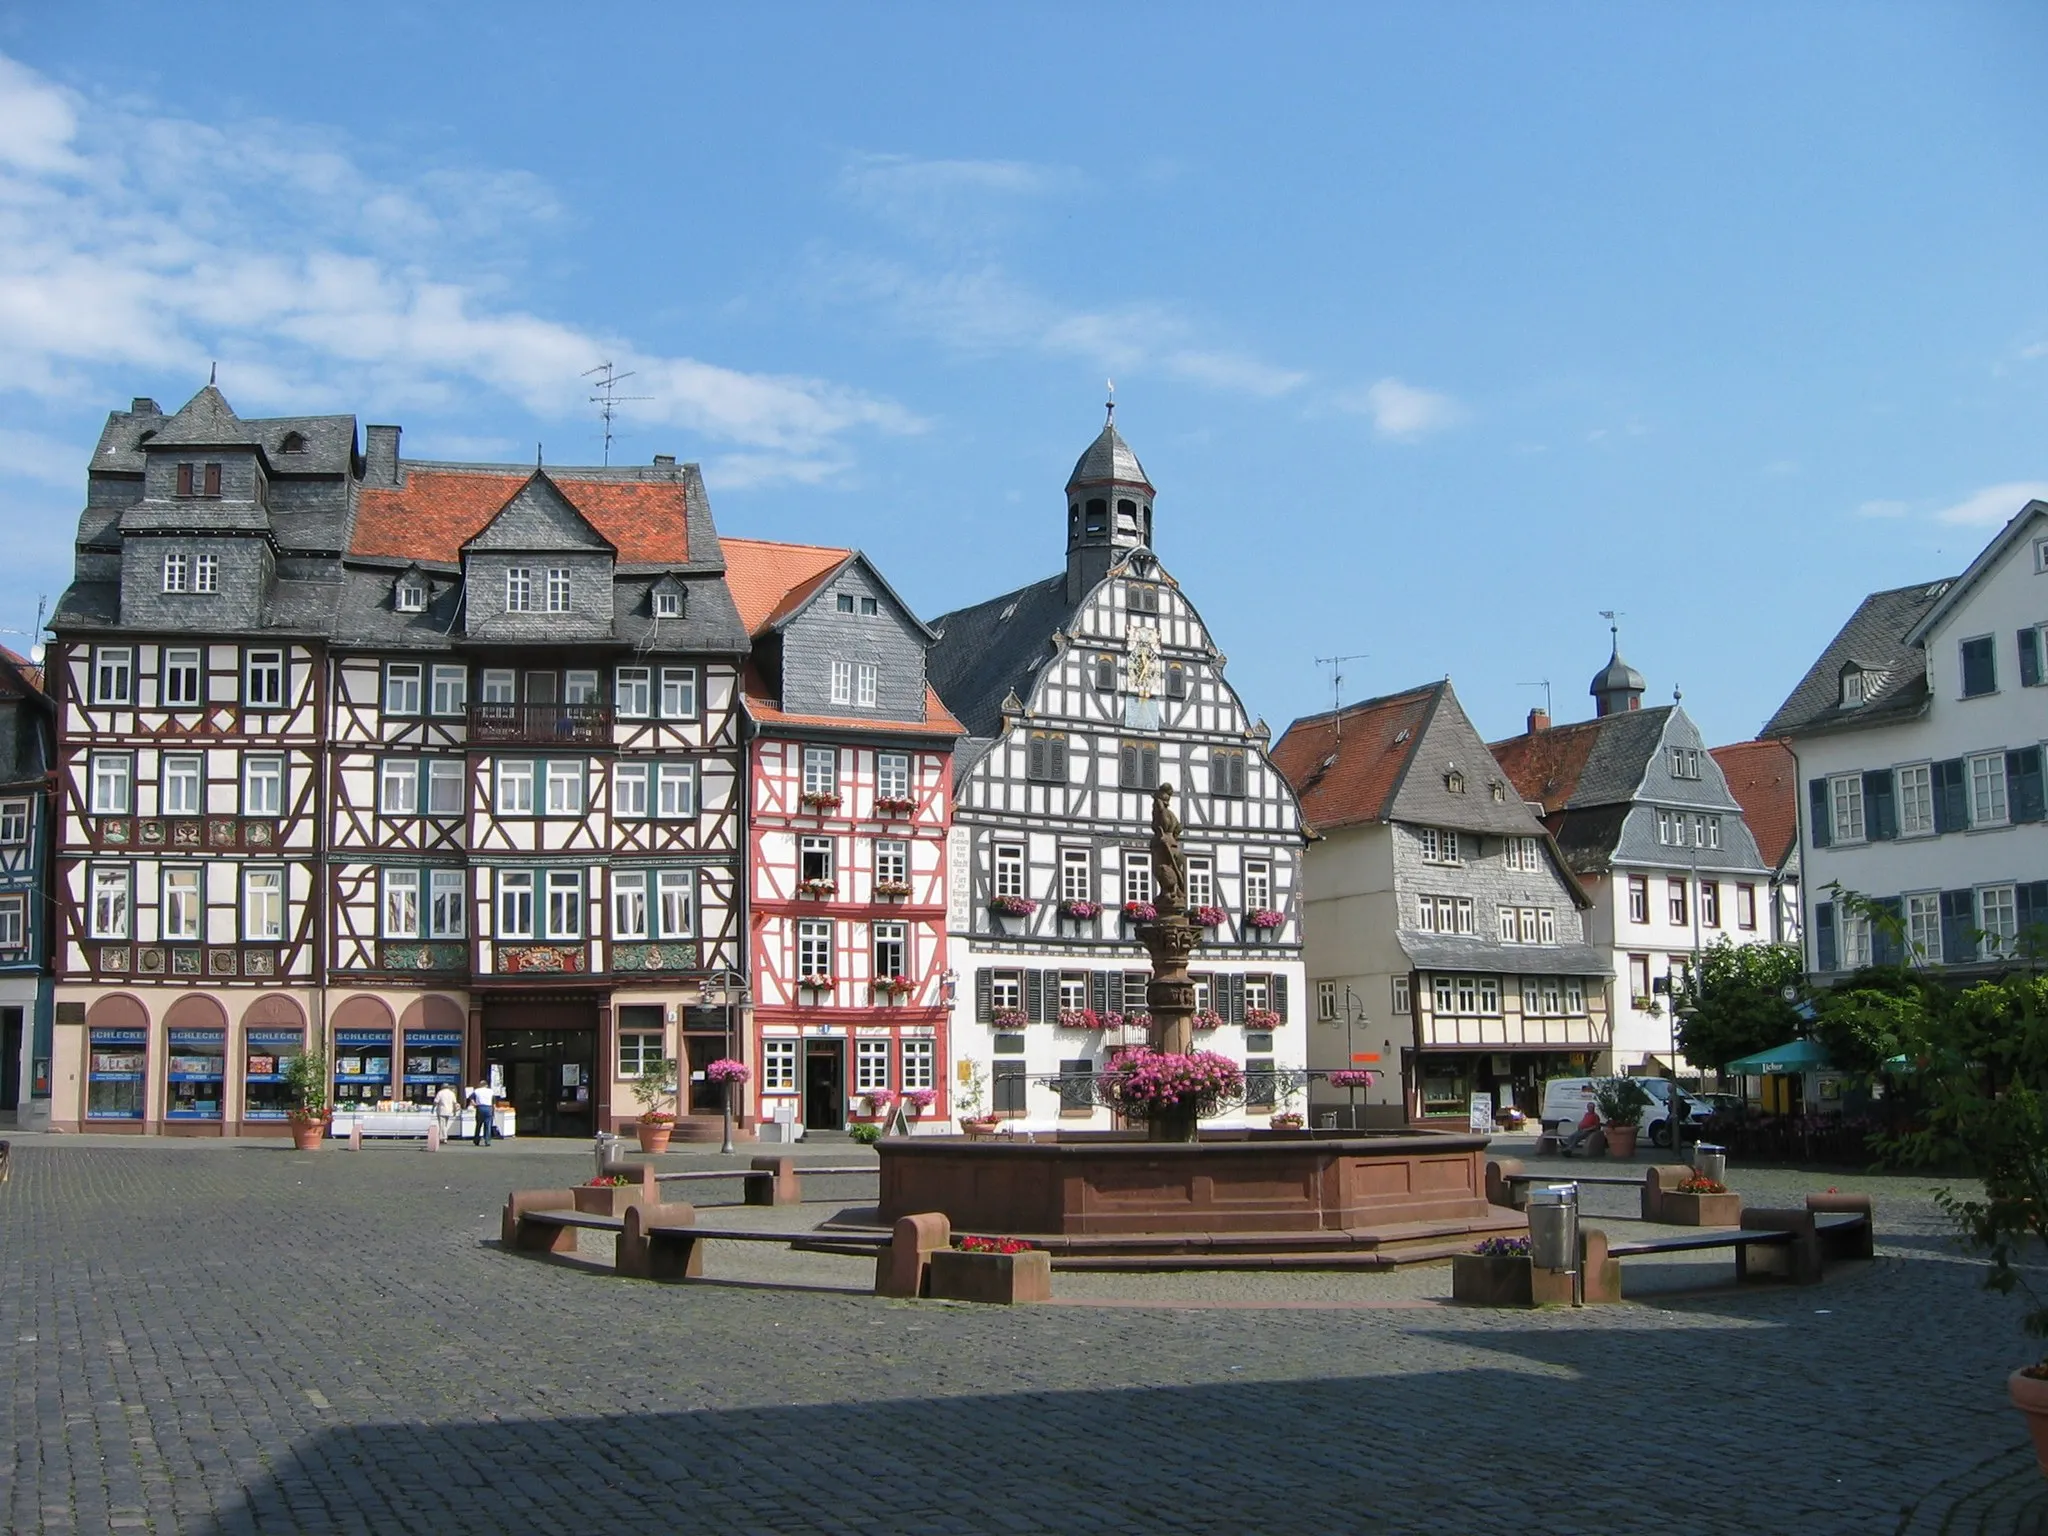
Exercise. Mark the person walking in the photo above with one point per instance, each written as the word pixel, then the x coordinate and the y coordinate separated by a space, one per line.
pixel 445 1105
pixel 481 1099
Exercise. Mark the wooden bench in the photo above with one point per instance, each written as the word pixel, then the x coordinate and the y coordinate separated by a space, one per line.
pixel 1794 1245
pixel 769 1180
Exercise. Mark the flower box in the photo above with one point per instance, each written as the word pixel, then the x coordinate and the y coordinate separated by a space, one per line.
pixel 892 887
pixel 1208 917
pixel 1140 912
pixel 818 889
pixel 978 1125
pixel 820 800
pixel 1264 919
pixel 1485 1280
pixel 1261 1018
pixel 607 1199
pixel 1683 1210
pixel 894 805
pixel 1009 1018
pixel 1013 906
pixel 1003 1279
pixel 1081 911
pixel 1287 1122
pixel 892 989
pixel 815 981
pixel 1208 1018
pixel 1079 1018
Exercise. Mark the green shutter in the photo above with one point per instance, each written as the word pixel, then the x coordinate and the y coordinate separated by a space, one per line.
pixel 1820 819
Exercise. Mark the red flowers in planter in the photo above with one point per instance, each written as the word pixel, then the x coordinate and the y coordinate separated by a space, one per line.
pixel 1141 912
pixel 1013 906
pixel 991 1245
pixel 1264 918
pixel 894 805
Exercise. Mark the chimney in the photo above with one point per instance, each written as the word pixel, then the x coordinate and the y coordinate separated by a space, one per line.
pixel 1539 720
pixel 380 454
pixel 142 405
pixel 664 461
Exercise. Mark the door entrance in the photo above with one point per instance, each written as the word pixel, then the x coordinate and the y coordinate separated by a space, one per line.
pixel 824 1085
pixel 550 1077
pixel 10 1061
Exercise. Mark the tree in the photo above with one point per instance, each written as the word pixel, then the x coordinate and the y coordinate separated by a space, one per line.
pixel 1736 1002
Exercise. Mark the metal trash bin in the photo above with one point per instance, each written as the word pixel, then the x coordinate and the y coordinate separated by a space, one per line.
pixel 606 1148
pixel 1554 1227
pixel 1327 1120
pixel 1711 1161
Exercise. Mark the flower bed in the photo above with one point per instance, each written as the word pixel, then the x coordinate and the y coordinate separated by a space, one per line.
pixel 997 1273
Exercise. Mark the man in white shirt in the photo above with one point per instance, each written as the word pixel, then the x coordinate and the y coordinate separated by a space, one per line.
pixel 481 1099
pixel 445 1105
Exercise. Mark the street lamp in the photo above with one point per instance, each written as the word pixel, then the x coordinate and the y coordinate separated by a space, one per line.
pixel 1354 1015
pixel 731 992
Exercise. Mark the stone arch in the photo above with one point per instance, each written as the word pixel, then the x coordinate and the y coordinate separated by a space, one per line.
pixel 274 1010
pixel 363 1012
pixel 117 1010
pixel 434 1012
pixel 195 1010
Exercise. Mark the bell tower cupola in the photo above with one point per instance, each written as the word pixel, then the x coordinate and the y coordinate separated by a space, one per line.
pixel 1109 509
pixel 1617 687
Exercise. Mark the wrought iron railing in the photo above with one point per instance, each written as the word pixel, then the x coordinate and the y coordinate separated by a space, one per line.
pixel 540 724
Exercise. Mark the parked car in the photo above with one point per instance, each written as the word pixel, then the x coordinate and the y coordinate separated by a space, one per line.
pixel 1565 1100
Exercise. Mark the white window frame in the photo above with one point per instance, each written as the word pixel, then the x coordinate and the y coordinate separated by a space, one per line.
pixel 1258 884
pixel 641 1051
pixel 892 861
pixel 262 904
pixel 842 682
pixel 1745 907
pixel 1845 807
pixel 629 904
pixel 1439 845
pixel 1854 928
pixel 866 685
pixel 13 922
pixel 1997 920
pixel 1008 874
pixel 778 1065
pixel 518 589
pixel 409 595
pixel 13 821
pixel 629 790
pixel 177 573
pixel 580 687
pixel 444 786
pixel 892 775
pixel 675 904
pixel 1401 998
pixel 920 1065
pixel 675 793
pixel 512 787
pixel 111 903
pixel 189 664
pixel 500 686
pixel 1546 925
pixel 565 903
pixel 870 1065
pixel 448 903
pixel 264 677
pixel 814 947
pixel 1326 1002
pixel 113 783
pixel 633 692
pixel 451 689
pixel 113 675
pixel 678 693
pixel 1990 798
pixel 183 898
pixel 398 786
pixel 187 770
pixel 1915 799
pixel 566 789
pixel 1077 875
pixel 558 589
pixel 206 573
pixel 1201 881
pixel 516 906
pixel 1923 925
pixel 1137 871
pixel 402 687
pixel 399 916
pixel 821 770
pixel 668 603
pixel 890 949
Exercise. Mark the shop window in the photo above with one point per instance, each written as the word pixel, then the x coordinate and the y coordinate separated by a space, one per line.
pixel 639 1051
pixel 362 1068
pixel 433 1060
pixel 115 1074
pixel 266 1053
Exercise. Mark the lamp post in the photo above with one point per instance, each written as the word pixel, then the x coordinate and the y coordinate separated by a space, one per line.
pixel 731 991
pixel 1354 1015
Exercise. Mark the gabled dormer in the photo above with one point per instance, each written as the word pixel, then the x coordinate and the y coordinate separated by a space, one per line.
pixel 411 591
pixel 668 597
pixel 851 647
pixel 538 571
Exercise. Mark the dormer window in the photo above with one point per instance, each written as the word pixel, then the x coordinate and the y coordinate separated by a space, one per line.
pixel 410 595
pixel 1454 781
pixel 668 602
pixel 198 479
pixel 294 442
pixel 1860 685
pixel 1852 689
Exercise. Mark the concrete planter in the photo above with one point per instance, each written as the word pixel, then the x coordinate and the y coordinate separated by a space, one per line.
pixel 1005 1279
pixel 606 1199
pixel 1682 1210
pixel 1483 1280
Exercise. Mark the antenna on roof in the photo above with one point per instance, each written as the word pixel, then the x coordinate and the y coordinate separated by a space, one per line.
pixel 607 398
pixel 1109 405
pixel 1545 686
pixel 1336 666
pixel 212 373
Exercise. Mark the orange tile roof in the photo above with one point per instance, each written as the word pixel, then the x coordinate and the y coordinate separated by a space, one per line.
pixel 1763 776
pixel 938 720
pixel 1545 765
pixel 768 580
pixel 1370 755
pixel 437 511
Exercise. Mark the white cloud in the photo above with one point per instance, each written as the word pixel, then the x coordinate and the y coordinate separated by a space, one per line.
pixel 1883 509
pixel 1993 505
pixel 37 457
pixel 949 201
pixel 1230 370
pixel 134 243
pixel 1403 411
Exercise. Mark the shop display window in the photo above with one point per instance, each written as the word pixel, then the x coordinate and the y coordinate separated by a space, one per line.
pixel 362 1068
pixel 265 1095
pixel 115 1074
pixel 197 1074
pixel 433 1058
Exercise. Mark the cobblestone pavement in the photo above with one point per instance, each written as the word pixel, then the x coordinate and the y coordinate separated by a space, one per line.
pixel 241 1338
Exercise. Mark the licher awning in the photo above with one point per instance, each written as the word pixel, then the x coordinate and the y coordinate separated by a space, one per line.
pixel 1795 1056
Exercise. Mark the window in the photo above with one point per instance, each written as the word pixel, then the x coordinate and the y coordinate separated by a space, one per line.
pixel 514 793
pixel 679 693
pixel 565 789
pixel 1706 831
pixel 1073 991
pixel 892 775
pixel 640 1052
pixel 109 918
pixel 451 690
pixel 1980 667
pixel 1453 914
pixel 518 589
pixel 500 686
pixel 182 679
pixel 198 479
pixel 1510 929
pixel 402 688
pixel 1685 762
pixel 1675 896
pixel 448 908
pixel 398 786
pixel 1137 876
pixel 676 890
pixel 1141 597
pixel 892 950
pixel 1853 689
pixel 515 904
pixel 1138 765
pixel 177 573
pixel 409 595
pixel 1226 774
pixel 444 786
pixel 1201 882
pixel 1009 869
pixel 1998 918
pixel 814 858
pixel 1439 845
pixel 1671 828
pixel 401 903
pixel 865 685
pixel 1258 886
pixel 1845 793
pixel 2030 657
pixel 677 786
pixel 13 821
pixel 870 606
pixel 1745 906
pixel 1916 800
pixel 1546 926
pixel 1006 992
pixel 633 691
pixel 1639 979
pixel 113 675
pixel 668 603
pixel 1710 903
pixel 920 1064
pixel 814 947
pixel 558 589
pixel 180 918
pixel 206 573
pixel 1105 674
pixel 1077 875
pixel 180 786
pixel 842 682
pixel 1045 755
pixel 821 771
pixel 1521 854
pixel 629 904
pixel 1987 789
pixel 892 862
pixel 579 688
pixel 262 905
pixel 1923 926
pixel 629 790
pixel 1176 680
pixel 843 602
pixel 1855 939
pixel 112 787
pixel 565 903
pixel 870 1065
pixel 1404 1006
pixel 1638 899
pixel 778 1066
pixel 1326 1001
pixel 264 685
pixel 13 922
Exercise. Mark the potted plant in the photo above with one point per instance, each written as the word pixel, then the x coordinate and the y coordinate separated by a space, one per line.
pixel 608 1194
pixel 1621 1102
pixel 1002 1270
pixel 864 1133
pixel 972 1091
pixel 1699 1201
pixel 1140 912
pixel 728 1075
pixel 1287 1120
pixel 893 989
pixel 306 1076
pixel 655 1088
pixel 919 1100
pixel 815 981
pixel 1495 1273
pixel 1264 919
pixel 879 1102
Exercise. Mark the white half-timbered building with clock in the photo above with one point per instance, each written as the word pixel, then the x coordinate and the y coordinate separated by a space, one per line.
pixel 1081 694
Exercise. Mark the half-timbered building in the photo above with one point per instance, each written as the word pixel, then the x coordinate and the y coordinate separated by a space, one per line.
pixel 849 773
pixel 25 1021
pixel 1082 693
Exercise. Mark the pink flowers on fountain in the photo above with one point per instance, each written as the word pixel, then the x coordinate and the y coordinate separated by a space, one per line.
pixel 1147 1082
pixel 726 1070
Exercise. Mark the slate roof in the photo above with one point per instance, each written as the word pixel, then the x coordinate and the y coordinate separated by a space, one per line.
pixel 438 508
pixel 1350 775
pixel 1874 638
pixel 1592 762
pixel 1988 559
pixel 1764 776
pixel 206 420
pixel 1449 952
pixel 1108 459
pixel 993 649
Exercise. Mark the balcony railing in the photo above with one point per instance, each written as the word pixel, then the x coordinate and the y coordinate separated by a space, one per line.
pixel 540 724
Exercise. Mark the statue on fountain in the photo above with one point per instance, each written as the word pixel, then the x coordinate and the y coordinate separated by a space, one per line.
pixel 1169 863
pixel 1170 939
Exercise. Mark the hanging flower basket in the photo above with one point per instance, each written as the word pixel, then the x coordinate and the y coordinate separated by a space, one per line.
pixel 1013 906
pixel 726 1070
pixel 894 805
pixel 1261 1018
pixel 1079 1018
pixel 1348 1078
pixel 1264 919
pixel 1208 917
pixel 1208 1018
pixel 816 888
pixel 1147 1084
pixel 1009 1018
pixel 1140 912
pixel 820 799
pixel 1081 911
pixel 892 887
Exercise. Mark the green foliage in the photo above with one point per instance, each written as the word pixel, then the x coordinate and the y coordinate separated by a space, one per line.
pixel 1736 1001
pixel 967 1096
pixel 656 1087
pixel 1621 1100
pixel 1886 1013
pixel 865 1133
pixel 306 1075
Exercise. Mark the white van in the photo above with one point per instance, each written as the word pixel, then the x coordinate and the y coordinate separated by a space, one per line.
pixel 1565 1100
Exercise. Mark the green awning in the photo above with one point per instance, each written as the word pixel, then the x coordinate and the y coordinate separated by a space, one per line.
pixel 1797 1056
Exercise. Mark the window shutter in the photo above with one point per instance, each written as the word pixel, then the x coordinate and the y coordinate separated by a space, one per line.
pixel 1234 1014
pixel 1034 757
pixel 1884 937
pixel 1056 759
pixel 1951 800
pixel 1280 997
pixel 213 479
pixel 2030 905
pixel 1958 921
pixel 1034 996
pixel 1127 766
pixel 984 996
pixel 1821 828
pixel 184 479
pixel 1151 769
pixel 1237 775
pixel 2030 658
pixel 1098 990
pixel 2023 784
pixel 1824 936
pixel 1880 812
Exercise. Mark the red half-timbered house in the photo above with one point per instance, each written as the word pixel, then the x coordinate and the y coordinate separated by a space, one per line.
pixel 849 772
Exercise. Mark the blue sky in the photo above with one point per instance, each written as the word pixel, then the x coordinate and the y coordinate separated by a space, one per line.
pixel 1439 329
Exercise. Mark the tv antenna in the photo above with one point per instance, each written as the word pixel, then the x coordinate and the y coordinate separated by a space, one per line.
pixel 608 399
pixel 1544 684
pixel 1336 666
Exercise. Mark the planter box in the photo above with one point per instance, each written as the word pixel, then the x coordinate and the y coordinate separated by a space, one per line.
pixel 1003 1278
pixel 607 1199
pixel 1481 1280
pixel 1700 1210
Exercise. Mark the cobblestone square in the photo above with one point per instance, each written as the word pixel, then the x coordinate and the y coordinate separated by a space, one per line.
pixel 239 1338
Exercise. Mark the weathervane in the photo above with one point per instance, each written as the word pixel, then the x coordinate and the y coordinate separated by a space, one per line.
pixel 1109 405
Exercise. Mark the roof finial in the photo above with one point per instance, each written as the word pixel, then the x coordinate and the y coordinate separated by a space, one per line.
pixel 1614 616
pixel 212 373
pixel 1109 405
pixel 536 455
